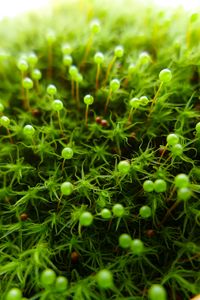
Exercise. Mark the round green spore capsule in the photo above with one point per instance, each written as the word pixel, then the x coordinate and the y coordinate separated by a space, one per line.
pixel 51 89
pixel 4 121
pixel 27 83
pixel 137 246
pixel 119 51
pixel 181 181
pixel 50 37
pixel 86 218
pixel 157 292
pixel 66 49
pixel 1 107
pixel 177 150
pixel 22 65
pixel 114 85
pixel 197 127
pixel 32 59
pixel 73 71
pixel 160 186
pixel 131 69
pixel 14 294
pixel 99 58
pixel 145 211
pixel 67 60
pixel 165 75
pixel 95 26
pixel 148 186
pixel 88 100
pixel 135 102
pixel 67 153
pixel 184 194
pixel 106 213
pixel 61 283
pixel 104 279
pixel 48 277
pixel 144 100
pixel 29 130
pixel 57 105
pixel 67 188
pixel 36 74
pixel 124 167
pixel 172 139
pixel 118 210
pixel 144 58
pixel 125 240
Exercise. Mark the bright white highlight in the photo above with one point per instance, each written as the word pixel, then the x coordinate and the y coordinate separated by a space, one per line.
pixel 11 8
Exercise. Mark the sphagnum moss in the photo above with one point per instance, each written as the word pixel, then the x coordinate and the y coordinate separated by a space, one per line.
pixel 99 199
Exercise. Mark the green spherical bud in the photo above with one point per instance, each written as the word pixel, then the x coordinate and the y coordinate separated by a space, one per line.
pixel 125 240
pixel 144 100
pixel 36 74
pixel 177 150
pixel 124 166
pixel 165 75
pixel 88 99
pixel 181 181
pixel 14 294
pixel 67 188
pixel 114 85
pixel 4 121
pixel 145 211
pixel 50 37
pixel 48 277
pixel 73 71
pixel 106 213
pixel 57 105
pixel 61 283
pixel 95 26
pixel 22 65
pixel 99 58
pixel 104 279
pixel 78 78
pixel 160 186
pixel 135 102
pixel 148 186
pixel 131 69
pixel 137 246
pixel 51 89
pixel 67 60
pixel 144 58
pixel 1 107
pixel 27 83
pixel 198 127
pixel 118 210
pixel 86 218
pixel 157 292
pixel 32 59
pixel 66 49
pixel 67 153
pixel 184 194
pixel 172 139
pixel 28 130
pixel 119 51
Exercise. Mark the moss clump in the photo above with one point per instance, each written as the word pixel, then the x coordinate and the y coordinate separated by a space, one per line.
pixel 91 98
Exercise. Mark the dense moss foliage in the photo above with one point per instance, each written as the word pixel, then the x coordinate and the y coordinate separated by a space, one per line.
pixel 99 153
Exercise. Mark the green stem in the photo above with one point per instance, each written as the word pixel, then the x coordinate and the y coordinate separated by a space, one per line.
pixel 97 76
pixel 109 69
pixel 154 99
pixel 86 115
pixel 59 121
pixel 108 100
